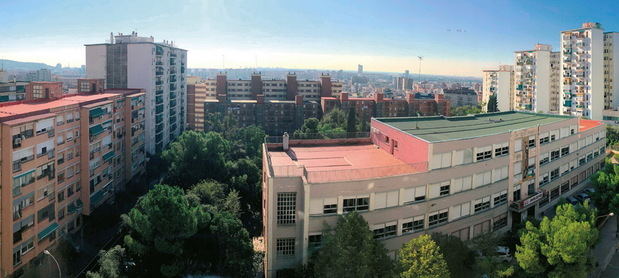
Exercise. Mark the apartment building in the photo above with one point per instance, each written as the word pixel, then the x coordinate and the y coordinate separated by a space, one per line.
pixel 500 83
pixel 379 106
pixel 12 91
pixel 464 176
pixel 130 61
pixel 69 155
pixel 611 70
pixel 536 80
pixel 274 116
pixel 223 88
pixel 461 97
pixel 582 67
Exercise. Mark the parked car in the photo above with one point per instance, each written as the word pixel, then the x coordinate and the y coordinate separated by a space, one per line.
pixel 590 190
pixel 572 200
pixel 582 197
pixel 502 253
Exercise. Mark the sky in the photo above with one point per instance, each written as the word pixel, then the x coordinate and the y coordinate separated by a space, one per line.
pixel 454 37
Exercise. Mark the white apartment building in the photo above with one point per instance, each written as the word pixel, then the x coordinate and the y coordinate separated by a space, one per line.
pixel 536 83
pixel 419 175
pixel 500 83
pixel 611 70
pixel 129 61
pixel 582 67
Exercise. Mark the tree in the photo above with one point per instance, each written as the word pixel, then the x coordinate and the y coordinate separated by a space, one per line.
pixel 422 258
pixel 216 196
pixel 111 263
pixel 612 135
pixel 458 255
pixel 350 250
pixel 606 185
pixel 559 247
pixel 308 130
pixel 333 123
pixel 159 226
pixel 464 110
pixel 493 105
pixel 195 156
pixel 351 120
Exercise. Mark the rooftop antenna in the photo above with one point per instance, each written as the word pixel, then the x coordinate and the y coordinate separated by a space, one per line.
pixel 420 58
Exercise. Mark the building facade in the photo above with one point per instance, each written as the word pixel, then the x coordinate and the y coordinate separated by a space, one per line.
pixel 500 83
pixel 12 91
pixel 536 80
pixel 130 61
pixel 69 155
pixel 461 97
pixel 464 176
pixel 582 68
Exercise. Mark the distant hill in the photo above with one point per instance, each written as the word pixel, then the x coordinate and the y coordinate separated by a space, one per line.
pixel 10 65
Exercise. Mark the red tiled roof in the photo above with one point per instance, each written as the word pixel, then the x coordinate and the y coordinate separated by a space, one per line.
pixel 588 124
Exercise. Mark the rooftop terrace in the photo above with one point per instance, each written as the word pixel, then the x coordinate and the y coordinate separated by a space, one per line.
pixel 441 128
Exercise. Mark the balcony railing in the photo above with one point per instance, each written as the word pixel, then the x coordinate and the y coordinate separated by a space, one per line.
pixel 531 200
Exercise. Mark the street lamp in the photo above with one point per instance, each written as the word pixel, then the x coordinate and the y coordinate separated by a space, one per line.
pixel 605 219
pixel 46 252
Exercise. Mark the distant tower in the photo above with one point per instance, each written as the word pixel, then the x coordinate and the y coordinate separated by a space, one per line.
pixel 360 69
pixel 406 73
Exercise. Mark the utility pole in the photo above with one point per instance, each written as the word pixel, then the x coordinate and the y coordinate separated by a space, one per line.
pixel 419 76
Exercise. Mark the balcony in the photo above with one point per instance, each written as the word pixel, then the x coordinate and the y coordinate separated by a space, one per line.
pixel 158 82
pixel 528 202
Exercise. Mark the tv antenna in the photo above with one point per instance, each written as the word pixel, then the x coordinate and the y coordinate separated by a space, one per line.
pixel 419 76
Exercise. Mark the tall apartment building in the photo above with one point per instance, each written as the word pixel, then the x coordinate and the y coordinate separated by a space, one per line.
pixel 464 176
pixel 536 80
pixel 223 88
pixel 402 83
pixel 611 70
pixel 582 67
pixel 68 155
pixel 129 61
pixel 500 83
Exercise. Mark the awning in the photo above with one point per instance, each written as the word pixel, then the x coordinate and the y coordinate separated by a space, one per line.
pixel 48 231
pixel 95 130
pixel 108 155
pixel 4 98
pixel 96 112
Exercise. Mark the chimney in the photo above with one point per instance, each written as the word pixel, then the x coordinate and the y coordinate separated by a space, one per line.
pixel 291 86
pixel 379 97
pixel 298 100
pixel 343 97
pixel 285 141
pixel 325 85
pixel 256 84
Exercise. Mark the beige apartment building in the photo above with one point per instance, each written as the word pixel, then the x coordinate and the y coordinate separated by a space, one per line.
pixel 465 176
pixel 500 83
pixel 68 154
pixel 536 80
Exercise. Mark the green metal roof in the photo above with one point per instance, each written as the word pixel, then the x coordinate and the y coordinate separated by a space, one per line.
pixel 441 128
pixel 48 231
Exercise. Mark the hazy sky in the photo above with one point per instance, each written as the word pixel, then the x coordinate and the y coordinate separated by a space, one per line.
pixel 454 37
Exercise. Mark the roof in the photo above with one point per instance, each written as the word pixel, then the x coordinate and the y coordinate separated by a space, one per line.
pixel 588 124
pixel 441 128
pixel 338 163
pixel 28 107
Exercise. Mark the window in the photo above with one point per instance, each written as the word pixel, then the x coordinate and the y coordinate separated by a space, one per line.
pixel 385 230
pixel 554 155
pixel 544 180
pixel 544 138
pixel 413 225
pixel 285 246
pixel 329 209
pixel 531 142
pixel 61 196
pixel 544 159
pixel 516 192
pixel 565 150
pixel 565 187
pixel 314 241
pixel 500 198
pixel 21 250
pixel 460 210
pixel 47 212
pixel 554 174
pixel 499 222
pixel 482 204
pixel 438 217
pixel 483 154
pixel 444 190
pixel 356 204
pixel 286 207
pixel 501 149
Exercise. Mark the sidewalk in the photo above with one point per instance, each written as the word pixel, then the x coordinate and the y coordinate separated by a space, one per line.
pixel 605 248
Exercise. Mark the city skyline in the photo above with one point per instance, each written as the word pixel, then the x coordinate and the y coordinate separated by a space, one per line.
pixel 458 39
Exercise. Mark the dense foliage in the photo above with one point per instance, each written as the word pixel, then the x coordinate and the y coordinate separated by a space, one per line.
pixel 612 135
pixel 421 257
pixel 350 250
pixel 560 246
pixel 493 104
pixel 464 110
pixel 334 124
pixel 459 257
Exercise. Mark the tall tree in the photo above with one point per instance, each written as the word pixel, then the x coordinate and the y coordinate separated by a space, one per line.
pixel 159 226
pixel 195 156
pixel 308 130
pixel 459 257
pixel 351 121
pixel 560 246
pixel 493 105
pixel 111 263
pixel 350 250
pixel 422 258
pixel 333 123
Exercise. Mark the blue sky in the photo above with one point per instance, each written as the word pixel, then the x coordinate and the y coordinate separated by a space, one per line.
pixel 337 34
